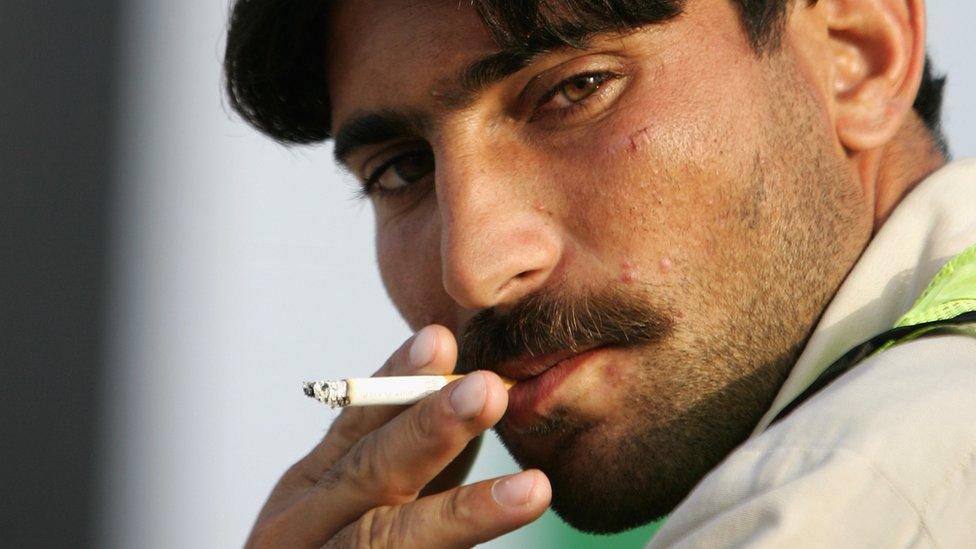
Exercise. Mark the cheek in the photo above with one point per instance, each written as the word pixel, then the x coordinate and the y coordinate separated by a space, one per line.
pixel 408 255
pixel 687 142
pixel 660 182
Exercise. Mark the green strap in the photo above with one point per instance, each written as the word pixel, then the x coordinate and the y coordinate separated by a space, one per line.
pixel 951 293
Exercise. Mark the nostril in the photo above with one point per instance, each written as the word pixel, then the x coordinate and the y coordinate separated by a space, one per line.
pixel 519 285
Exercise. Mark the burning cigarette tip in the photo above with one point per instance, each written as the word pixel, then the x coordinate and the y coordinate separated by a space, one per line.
pixel 332 393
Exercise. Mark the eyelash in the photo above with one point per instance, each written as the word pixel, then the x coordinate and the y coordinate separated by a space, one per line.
pixel 369 187
pixel 606 78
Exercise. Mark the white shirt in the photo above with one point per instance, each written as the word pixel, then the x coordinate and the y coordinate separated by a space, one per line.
pixel 885 456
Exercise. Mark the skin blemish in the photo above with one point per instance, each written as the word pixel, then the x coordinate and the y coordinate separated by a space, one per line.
pixel 613 375
pixel 665 265
pixel 540 207
pixel 633 142
pixel 628 272
pixel 639 139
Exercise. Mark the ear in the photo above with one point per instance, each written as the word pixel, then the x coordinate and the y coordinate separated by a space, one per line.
pixel 878 54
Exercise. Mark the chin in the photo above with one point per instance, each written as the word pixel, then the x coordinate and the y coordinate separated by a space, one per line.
pixel 603 480
pixel 630 468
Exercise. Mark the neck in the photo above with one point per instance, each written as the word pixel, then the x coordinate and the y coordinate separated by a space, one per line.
pixel 901 165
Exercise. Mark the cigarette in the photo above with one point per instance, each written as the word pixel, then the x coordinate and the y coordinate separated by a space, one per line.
pixel 378 391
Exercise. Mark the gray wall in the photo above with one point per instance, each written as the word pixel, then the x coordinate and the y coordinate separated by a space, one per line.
pixel 56 88
pixel 952 46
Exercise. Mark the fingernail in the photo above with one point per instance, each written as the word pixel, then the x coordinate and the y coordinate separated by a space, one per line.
pixel 513 491
pixel 468 396
pixel 422 348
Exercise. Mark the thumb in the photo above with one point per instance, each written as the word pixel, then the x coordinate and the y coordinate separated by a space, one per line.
pixel 462 517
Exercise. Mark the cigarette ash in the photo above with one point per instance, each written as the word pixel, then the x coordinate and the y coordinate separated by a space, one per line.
pixel 333 393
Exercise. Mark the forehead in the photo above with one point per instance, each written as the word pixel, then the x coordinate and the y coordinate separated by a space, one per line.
pixel 391 53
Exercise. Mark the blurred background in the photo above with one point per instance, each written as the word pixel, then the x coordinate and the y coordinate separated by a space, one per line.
pixel 170 277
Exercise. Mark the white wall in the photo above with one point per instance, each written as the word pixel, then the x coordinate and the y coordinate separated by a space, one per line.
pixel 952 47
pixel 243 268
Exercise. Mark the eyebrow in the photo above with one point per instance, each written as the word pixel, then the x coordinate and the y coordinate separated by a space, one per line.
pixel 377 127
pixel 491 69
pixel 373 128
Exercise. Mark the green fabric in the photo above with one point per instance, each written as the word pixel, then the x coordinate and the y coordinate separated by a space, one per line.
pixel 951 293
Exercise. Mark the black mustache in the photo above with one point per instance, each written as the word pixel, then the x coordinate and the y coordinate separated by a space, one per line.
pixel 547 322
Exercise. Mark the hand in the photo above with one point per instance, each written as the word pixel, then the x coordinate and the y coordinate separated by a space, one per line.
pixel 364 484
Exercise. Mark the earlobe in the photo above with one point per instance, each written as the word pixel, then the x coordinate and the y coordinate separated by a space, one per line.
pixel 878 53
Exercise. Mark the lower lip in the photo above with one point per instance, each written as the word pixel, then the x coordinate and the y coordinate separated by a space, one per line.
pixel 527 397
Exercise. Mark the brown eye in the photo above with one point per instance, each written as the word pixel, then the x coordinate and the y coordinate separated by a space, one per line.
pixel 576 96
pixel 403 170
pixel 580 87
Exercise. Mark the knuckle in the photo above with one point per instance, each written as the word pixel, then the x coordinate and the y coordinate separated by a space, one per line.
pixel 301 472
pixel 368 470
pixel 360 466
pixel 425 422
pixel 456 507
pixel 330 478
pixel 375 529
pixel 344 431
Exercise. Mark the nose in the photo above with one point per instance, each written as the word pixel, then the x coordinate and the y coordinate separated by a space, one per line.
pixel 499 243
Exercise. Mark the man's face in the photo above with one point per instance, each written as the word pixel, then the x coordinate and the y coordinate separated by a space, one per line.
pixel 669 173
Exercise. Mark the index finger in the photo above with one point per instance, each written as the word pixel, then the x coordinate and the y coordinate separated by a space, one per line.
pixel 432 350
pixel 392 464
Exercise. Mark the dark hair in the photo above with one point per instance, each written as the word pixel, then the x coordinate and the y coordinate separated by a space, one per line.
pixel 274 63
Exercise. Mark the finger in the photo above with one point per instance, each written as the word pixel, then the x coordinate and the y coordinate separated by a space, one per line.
pixel 455 472
pixel 392 464
pixel 463 517
pixel 431 351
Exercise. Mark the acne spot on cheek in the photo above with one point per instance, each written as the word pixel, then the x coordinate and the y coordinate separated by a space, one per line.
pixel 665 265
pixel 612 374
pixel 628 272
pixel 540 207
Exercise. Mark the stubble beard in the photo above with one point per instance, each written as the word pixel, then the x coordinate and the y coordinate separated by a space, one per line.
pixel 699 393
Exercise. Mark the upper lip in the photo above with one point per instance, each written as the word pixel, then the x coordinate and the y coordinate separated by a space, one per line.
pixel 525 367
